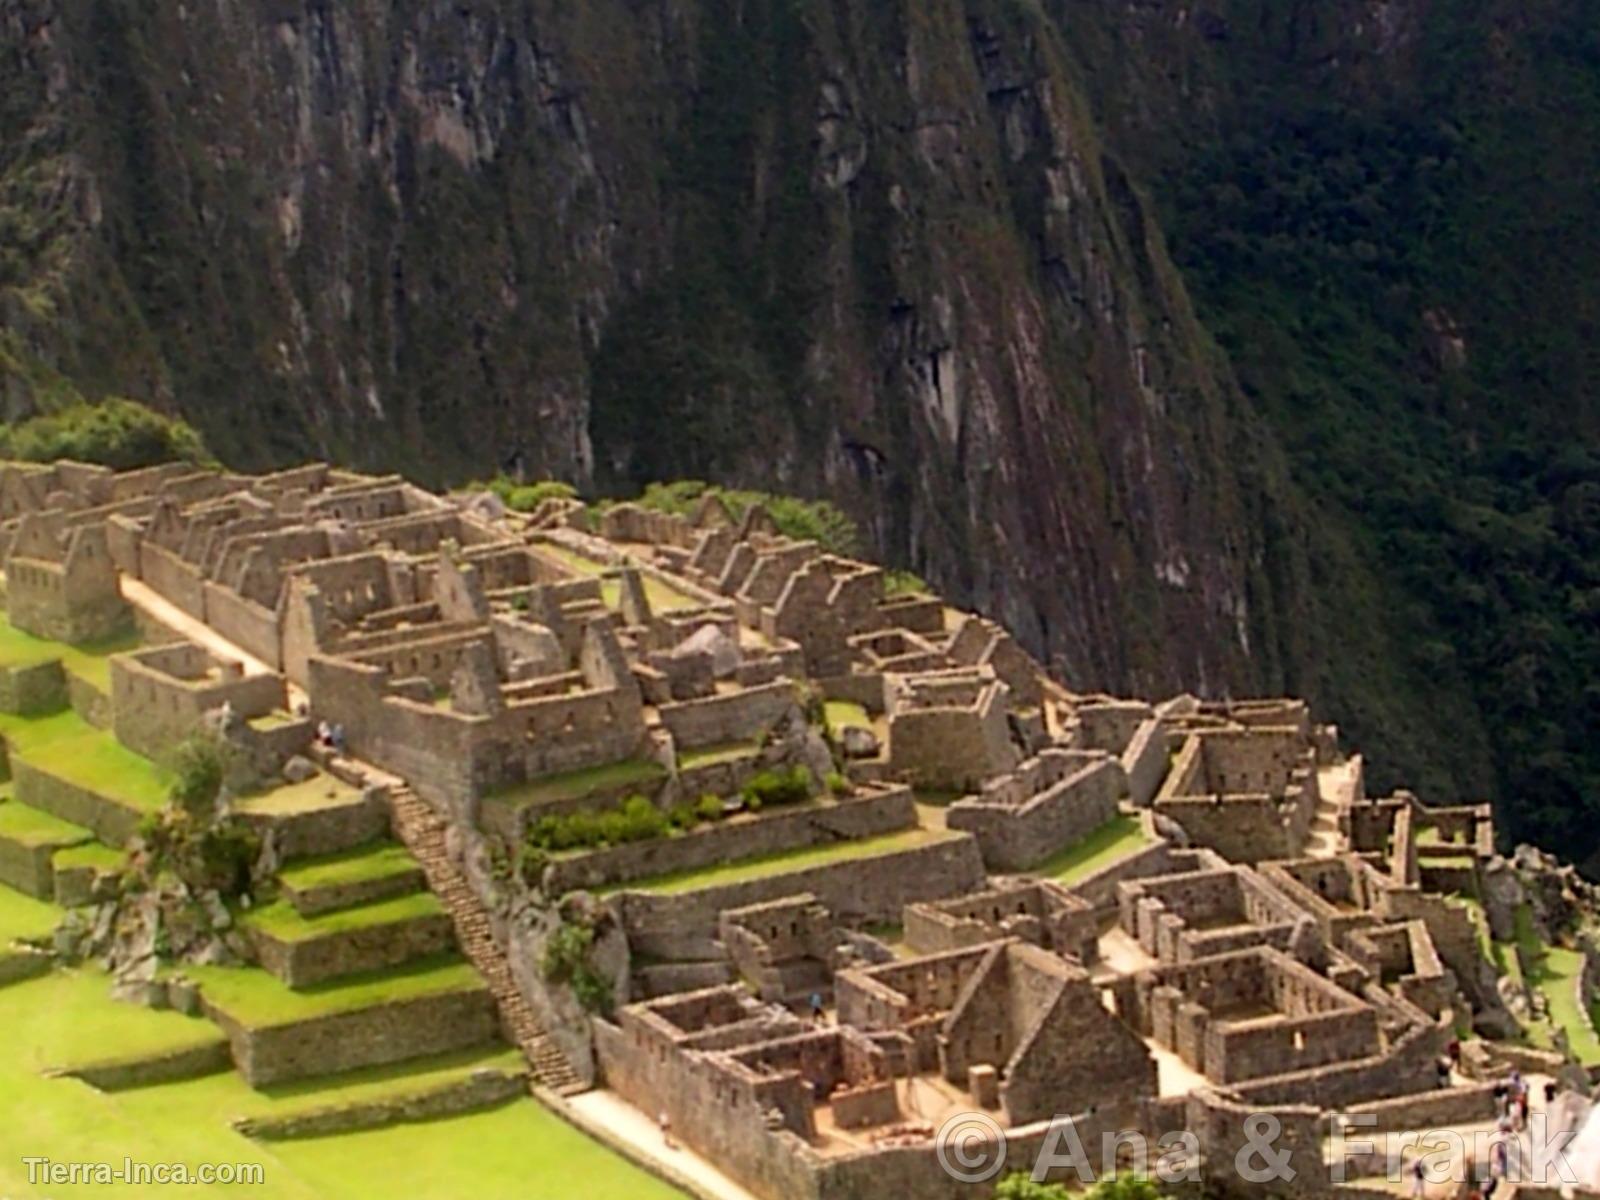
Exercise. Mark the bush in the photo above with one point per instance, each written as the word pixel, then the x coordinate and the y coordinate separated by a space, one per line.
pixel 566 960
pixel 839 783
pixel 531 862
pixel 116 433
pixel 683 817
pixel 525 497
pixel 709 808
pixel 777 788
pixel 200 764
pixel 637 820
pixel 808 520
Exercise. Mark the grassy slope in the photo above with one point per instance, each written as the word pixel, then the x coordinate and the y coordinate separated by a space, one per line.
pixel 1117 838
pixel 365 864
pixel 520 1149
pixel 790 860
pixel 282 921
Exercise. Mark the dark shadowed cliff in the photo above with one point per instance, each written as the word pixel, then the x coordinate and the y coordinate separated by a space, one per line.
pixel 1188 339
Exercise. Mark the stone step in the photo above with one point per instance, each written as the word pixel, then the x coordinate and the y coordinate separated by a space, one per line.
pixel 423 833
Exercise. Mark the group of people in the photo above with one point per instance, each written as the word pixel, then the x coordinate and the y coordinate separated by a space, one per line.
pixel 331 736
pixel 1511 1100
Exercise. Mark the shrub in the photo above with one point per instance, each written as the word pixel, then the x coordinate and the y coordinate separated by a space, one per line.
pixel 116 433
pixel 683 817
pixel 903 583
pixel 525 497
pixel 752 804
pixel 643 820
pixel 809 520
pixel 778 788
pixel 531 862
pixel 566 960
pixel 709 808
pixel 200 764
pixel 839 783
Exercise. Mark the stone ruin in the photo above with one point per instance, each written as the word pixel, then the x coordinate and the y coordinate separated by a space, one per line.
pixel 1257 934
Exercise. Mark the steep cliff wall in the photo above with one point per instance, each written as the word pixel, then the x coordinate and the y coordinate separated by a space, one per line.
pixel 902 253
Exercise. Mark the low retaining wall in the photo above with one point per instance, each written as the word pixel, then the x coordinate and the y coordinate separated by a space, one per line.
pixel 111 821
pixel 351 951
pixel 17 965
pixel 367 1037
pixel 325 830
pixel 89 702
pixel 28 868
pixel 482 1089
pixel 331 897
pixel 860 891
pixel 190 1063
pixel 816 824
pixel 1470 1105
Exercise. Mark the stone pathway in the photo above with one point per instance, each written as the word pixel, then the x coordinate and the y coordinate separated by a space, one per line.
pixel 627 1124
pixel 423 831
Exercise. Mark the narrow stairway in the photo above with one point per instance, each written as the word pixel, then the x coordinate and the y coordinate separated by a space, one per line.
pixel 423 831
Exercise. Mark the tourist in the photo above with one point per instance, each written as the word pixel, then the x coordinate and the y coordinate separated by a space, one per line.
pixel 1549 1093
pixel 324 734
pixel 1418 1178
pixel 1454 1051
pixel 1443 1067
pixel 336 738
pixel 666 1130
pixel 817 1015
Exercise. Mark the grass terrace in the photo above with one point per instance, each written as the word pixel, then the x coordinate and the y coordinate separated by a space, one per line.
pixel 318 792
pixel 258 1000
pixel 710 756
pixel 30 827
pixel 1556 972
pixel 1115 840
pixel 845 714
pixel 89 662
pixel 24 917
pixel 781 863
pixel 365 864
pixel 66 746
pixel 574 785
pixel 69 1018
pixel 95 855
pixel 282 921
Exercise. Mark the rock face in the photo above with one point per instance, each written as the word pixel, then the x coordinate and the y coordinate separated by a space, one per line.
pixel 875 251
pixel 896 253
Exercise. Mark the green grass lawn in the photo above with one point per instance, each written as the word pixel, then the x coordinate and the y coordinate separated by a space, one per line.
pixel 24 917
pixel 30 827
pixel 66 746
pixel 89 661
pixel 789 860
pixel 365 864
pixel 283 922
pixel 572 785
pixel 1116 839
pixel 89 854
pixel 258 1000
pixel 1555 972
pixel 519 1149
pixel 712 755
pixel 842 714
pixel 318 792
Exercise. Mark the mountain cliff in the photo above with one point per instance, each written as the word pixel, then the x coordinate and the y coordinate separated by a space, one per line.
pixel 974 269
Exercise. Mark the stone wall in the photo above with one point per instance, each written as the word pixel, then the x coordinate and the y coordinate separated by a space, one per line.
pixel 367 1037
pixel 740 716
pixel 161 696
pixel 1048 803
pixel 1145 762
pixel 860 891
pixel 819 823
pixel 480 1090
pixel 33 690
pixel 301 963
pixel 109 820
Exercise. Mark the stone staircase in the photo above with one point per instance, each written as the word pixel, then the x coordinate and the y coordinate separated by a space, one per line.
pixel 423 832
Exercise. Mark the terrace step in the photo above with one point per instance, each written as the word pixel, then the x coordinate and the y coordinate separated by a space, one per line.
pixel 278 1034
pixel 29 839
pixel 351 878
pixel 321 816
pixel 305 951
pixel 423 833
